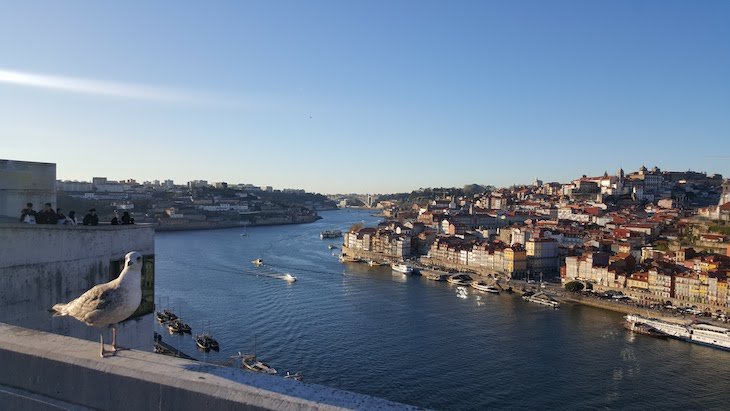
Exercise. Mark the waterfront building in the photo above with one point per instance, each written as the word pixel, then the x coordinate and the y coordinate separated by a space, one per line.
pixel 542 255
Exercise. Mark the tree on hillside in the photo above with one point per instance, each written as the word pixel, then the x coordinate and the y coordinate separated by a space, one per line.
pixel 573 286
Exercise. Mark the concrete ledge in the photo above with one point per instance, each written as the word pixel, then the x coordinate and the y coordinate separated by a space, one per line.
pixel 67 370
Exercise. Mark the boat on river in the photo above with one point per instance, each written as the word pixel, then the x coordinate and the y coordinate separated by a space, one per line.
pixel 257 262
pixel 176 326
pixel 460 279
pixel 483 286
pixel 165 316
pixel 250 363
pixel 205 342
pixel 542 298
pixel 402 268
pixel 330 234
pixel 698 333
pixel 288 277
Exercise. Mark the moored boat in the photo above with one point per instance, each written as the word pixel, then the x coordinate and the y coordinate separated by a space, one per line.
pixel 542 298
pixel 205 342
pixel 176 326
pixel 330 234
pixel 699 333
pixel 460 279
pixel 402 268
pixel 483 286
pixel 250 363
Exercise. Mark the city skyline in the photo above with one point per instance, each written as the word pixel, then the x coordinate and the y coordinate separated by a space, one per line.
pixel 577 175
pixel 378 97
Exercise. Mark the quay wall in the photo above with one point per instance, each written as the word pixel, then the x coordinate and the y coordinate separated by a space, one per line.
pixel 371 255
pixel 48 371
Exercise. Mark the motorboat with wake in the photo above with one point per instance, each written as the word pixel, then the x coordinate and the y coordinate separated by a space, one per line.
pixel 257 262
pixel 289 278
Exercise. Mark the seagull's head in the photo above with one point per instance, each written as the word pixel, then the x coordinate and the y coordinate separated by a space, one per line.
pixel 133 260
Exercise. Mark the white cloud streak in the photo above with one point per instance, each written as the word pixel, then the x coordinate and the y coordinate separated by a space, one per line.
pixel 98 87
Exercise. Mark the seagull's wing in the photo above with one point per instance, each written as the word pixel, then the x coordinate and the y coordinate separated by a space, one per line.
pixel 93 303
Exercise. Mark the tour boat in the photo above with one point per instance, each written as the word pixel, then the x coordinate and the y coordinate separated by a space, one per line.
pixel 699 333
pixel 402 268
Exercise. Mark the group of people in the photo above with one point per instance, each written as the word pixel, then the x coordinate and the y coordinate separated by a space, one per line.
pixel 49 216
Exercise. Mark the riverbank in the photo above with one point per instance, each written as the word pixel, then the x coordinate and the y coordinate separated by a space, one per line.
pixel 215 225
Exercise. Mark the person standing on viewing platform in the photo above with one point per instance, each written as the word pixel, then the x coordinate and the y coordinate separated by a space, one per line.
pixel 127 219
pixel 28 215
pixel 60 218
pixel 47 215
pixel 71 219
pixel 91 218
pixel 115 219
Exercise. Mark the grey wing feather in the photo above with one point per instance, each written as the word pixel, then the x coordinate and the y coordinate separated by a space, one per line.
pixel 92 303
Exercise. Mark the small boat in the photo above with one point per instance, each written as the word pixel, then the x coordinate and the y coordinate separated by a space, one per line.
pixel 541 298
pixel 205 342
pixel 288 277
pixel 297 376
pixel 402 268
pixel 176 326
pixel 460 279
pixel 330 234
pixel 250 363
pixel 165 316
pixel 347 259
pixel 373 263
pixel 483 286
pixel 332 247
pixel 257 262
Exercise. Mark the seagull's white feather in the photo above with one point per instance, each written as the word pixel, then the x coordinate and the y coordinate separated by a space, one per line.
pixel 111 302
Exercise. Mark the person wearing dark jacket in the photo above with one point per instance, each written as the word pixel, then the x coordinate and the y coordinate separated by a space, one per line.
pixel 47 215
pixel 91 218
pixel 127 219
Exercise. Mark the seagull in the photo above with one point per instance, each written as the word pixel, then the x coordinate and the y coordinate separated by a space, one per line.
pixel 108 303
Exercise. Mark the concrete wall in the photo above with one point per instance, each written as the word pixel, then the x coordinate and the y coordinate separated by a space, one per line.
pixel 48 371
pixel 22 182
pixel 42 265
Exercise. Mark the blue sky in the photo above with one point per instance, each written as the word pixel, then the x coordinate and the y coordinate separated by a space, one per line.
pixel 344 96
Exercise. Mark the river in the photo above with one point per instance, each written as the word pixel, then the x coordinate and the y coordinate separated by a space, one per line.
pixel 411 340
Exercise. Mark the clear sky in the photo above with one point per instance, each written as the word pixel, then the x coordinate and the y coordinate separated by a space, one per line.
pixel 369 96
